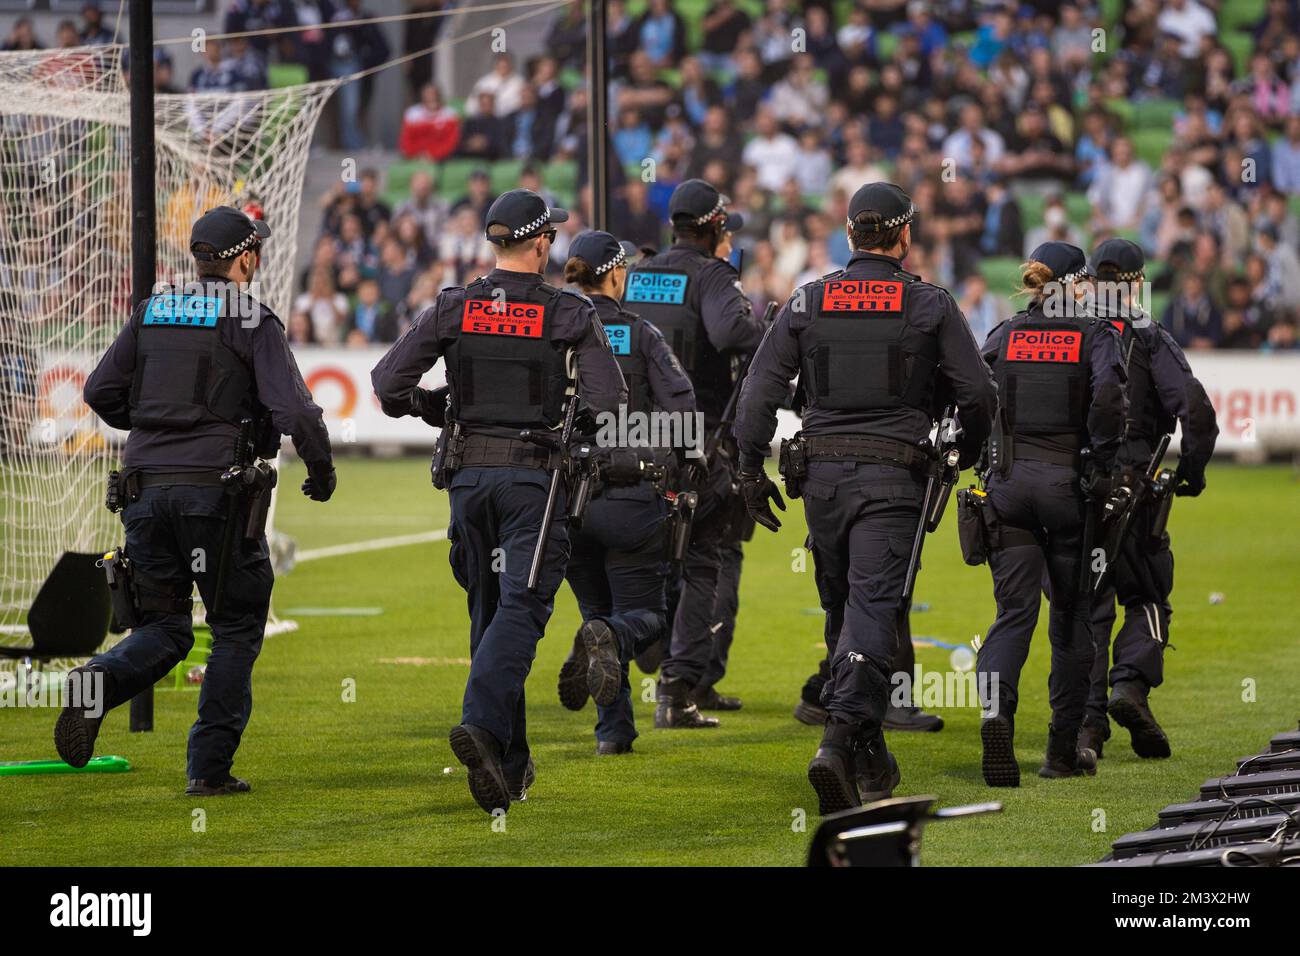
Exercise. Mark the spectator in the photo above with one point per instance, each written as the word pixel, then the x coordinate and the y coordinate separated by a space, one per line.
pixel 484 135
pixel 532 134
pixel 567 37
pixel 1119 192
pixel 1191 317
pixel 354 49
pixel 22 37
pixel 644 91
pixel 1037 161
pixel 957 147
pixel 396 272
pixel 983 310
pixel 772 154
pixel 661 34
pixel 503 83
pixel 430 129
pixel 858 170
pixel 419 35
pixel 324 307
pixel 423 206
pixel 800 99
pixel 478 197
pixel 635 221
pixel 1003 233
pixel 723 25
pixel 813 170
pixel 372 319
pixel 258 15
pixel 1286 157
pixel 93 31
pixel 1189 22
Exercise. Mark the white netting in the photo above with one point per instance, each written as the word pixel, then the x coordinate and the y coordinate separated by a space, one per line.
pixel 65 268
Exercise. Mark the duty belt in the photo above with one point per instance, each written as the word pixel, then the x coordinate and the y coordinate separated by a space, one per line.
pixel 158 479
pixel 884 451
pixel 1050 456
pixel 493 450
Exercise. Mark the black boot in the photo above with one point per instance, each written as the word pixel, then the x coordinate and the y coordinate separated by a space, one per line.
pixel 613 748
pixel 649 659
pixel 809 710
pixel 228 787
pixel 74 731
pixel 876 769
pixel 1128 705
pixel 999 765
pixel 519 788
pixel 604 669
pixel 708 698
pixel 675 710
pixel 911 718
pixel 1093 734
pixel 1064 758
pixel 481 753
pixel 573 676
pixel 833 770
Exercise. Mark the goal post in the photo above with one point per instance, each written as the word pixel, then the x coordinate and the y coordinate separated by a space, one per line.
pixel 67 277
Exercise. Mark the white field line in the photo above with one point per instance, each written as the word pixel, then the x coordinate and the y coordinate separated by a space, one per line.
pixel 375 544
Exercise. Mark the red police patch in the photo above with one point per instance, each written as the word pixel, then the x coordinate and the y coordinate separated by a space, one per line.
pixel 502 317
pixel 1044 345
pixel 862 295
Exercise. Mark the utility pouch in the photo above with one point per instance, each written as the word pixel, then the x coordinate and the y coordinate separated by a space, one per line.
pixel 115 494
pixel 792 463
pixel 682 518
pixel 976 525
pixel 447 456
pixel 259 499
pixel 121 589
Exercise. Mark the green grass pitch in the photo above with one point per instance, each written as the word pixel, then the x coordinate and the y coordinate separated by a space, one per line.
pixel 363 782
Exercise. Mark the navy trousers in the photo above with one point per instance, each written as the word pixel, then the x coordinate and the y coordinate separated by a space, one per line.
pixel 173 538
pixel 861 517
pixel 496 514
pixel 618 574
pixel 1045 503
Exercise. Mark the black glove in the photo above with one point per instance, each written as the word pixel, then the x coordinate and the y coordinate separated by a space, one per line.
pixel 432 406
pixel 1188 485
pixel 757 489
pixel 320 482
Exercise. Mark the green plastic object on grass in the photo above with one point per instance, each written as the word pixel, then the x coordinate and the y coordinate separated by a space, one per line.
pixel 22 768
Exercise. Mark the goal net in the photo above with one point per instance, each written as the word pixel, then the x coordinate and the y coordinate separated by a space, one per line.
pixel 65 268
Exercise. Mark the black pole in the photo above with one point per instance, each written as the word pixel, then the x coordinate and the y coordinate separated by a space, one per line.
pixel 598 114
pixel 144 240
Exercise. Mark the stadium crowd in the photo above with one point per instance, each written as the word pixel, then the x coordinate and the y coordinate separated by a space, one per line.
pixel 1009 124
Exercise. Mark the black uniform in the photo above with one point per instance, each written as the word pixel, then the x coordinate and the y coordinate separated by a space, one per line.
pixel 181 375
pixel 504 338
pixel 618 569
pixel 1161 392
pixel 873 344
pixel 695 300
pixel 1061 388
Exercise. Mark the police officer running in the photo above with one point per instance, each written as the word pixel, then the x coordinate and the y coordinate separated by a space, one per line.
pixel 194 373
pixel 1060 378
pixel 514 346
pixel 1161 391
pixel 693 296
pixel 618 569
pixel 872 344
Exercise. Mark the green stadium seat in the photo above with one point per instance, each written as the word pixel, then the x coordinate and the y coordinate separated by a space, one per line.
pixel 1241 14
pixel 885 46
pixel 279 75
pixel 505 174
pixel 570 78
pixel 1240 45
pixel 1002 273
pixel 1078 209
pixel 1151 144
pixel 561 178
pixel 1123 109
pixel 1110 11
pixel 1031 210
pixel 1155 114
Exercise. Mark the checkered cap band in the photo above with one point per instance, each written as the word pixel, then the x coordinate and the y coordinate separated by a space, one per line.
pixel 718 208
pixel 886 224
pixel 249 240
pixel 533 226
pixel 618 260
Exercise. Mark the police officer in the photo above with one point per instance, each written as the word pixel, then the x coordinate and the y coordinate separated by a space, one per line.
pixel 1161 391
pixel 1060 378
pixel 183 375
pixel 872 344
pixel 693 296
pixel 618 569
pixel 507 339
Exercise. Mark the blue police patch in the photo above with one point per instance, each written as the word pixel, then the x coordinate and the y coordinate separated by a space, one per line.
pixel 184 311
pixel 663 288
pixel 620 338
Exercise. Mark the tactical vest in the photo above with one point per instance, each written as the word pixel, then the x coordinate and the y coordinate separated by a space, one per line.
pixel 1043 374
pixel 862 350
pixel 625 330
pixel 503 368
pixel 663 290
pixel 1147 420
pixel 186 375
